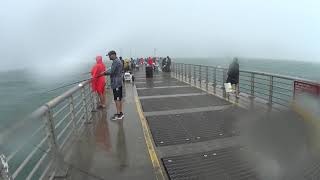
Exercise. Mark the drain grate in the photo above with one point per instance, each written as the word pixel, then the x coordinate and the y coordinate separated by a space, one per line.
pixel 236 163
pixel 193 127
pixel 222 164
pixel 186 102
pixel 168 91
pixel 150 84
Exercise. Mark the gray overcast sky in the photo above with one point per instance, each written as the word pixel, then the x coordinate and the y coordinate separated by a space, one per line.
pixel 63 31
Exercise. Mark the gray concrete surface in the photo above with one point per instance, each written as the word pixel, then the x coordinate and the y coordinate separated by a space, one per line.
pixel 208 137
pixel 112 149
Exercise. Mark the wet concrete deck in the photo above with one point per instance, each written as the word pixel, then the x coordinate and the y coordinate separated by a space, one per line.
pixel 185 122
pixel 112 149
pixel 197 135
pixel 193 134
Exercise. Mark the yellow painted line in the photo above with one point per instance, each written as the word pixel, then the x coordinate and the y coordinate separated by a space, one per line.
pixel 147 136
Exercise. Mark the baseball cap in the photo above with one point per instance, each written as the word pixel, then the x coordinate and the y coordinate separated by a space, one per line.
pixel 111 52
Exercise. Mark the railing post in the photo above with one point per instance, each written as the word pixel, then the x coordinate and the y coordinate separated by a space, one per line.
pixel 179 71
pixel 200 76
pixel 182 71
pixel 224 77
pixel 50 131
pixel 176 70
pixel 89 102
pixel 92 98
pixel 172 69
pixel 270 92
pixel 84 104
pixel 72 113
pixel 57 160
pixel 4 168
pixel 214 79
pixel 189 67
pixel 252 96
pixel 185 72
pixel 194 76
pixel 207 78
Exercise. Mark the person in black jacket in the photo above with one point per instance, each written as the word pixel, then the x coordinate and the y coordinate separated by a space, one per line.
pixel 163 63
pixel 122 61
pixel 168 64
pixel 233 75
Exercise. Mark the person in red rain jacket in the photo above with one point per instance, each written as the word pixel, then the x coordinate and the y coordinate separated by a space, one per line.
pixel 99 81
pixel 150 62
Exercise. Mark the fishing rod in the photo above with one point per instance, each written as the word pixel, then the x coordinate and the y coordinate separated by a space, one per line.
pixel 70 84
pixel 76 82
pixel 85 73
pixel 60 87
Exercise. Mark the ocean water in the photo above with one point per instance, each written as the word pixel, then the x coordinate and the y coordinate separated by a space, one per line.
pixel 300 69
pixel 21 92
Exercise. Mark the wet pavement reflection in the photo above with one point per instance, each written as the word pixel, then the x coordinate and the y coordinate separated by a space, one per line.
pixel 121 146
pixel 102 133
pixel 101 151
pixel 149 83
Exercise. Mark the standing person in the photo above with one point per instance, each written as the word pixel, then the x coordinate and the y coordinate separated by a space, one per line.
pixel 132 63
pixel 169 63
pixel 99 81
pixel 163 63
pixel 233 75
pixel 149 68
pixel 122 61
pixel 150 61
pixel 116 83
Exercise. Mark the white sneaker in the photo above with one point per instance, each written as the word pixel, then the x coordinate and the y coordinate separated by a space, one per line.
pixel 114 117
pixel 120 116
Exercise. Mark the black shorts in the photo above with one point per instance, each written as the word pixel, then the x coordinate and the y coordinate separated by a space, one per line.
pixel 117 94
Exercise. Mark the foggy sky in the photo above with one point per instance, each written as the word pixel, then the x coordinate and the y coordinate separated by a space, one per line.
pixel 46 33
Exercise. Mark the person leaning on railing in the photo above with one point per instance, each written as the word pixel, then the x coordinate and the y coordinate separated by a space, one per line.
pixel 233 75
pixel 99 81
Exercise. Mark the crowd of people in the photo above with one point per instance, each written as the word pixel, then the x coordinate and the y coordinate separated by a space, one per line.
pixel 158 63
pixel 118 67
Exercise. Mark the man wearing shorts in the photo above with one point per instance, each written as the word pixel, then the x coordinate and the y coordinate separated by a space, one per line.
pixel 233 76
pixel 116 83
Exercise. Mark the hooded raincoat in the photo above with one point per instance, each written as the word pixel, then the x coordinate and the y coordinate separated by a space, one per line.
pixel 98 80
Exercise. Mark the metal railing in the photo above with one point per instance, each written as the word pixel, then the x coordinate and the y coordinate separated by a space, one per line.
pixel 36 147
pixel 275 91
